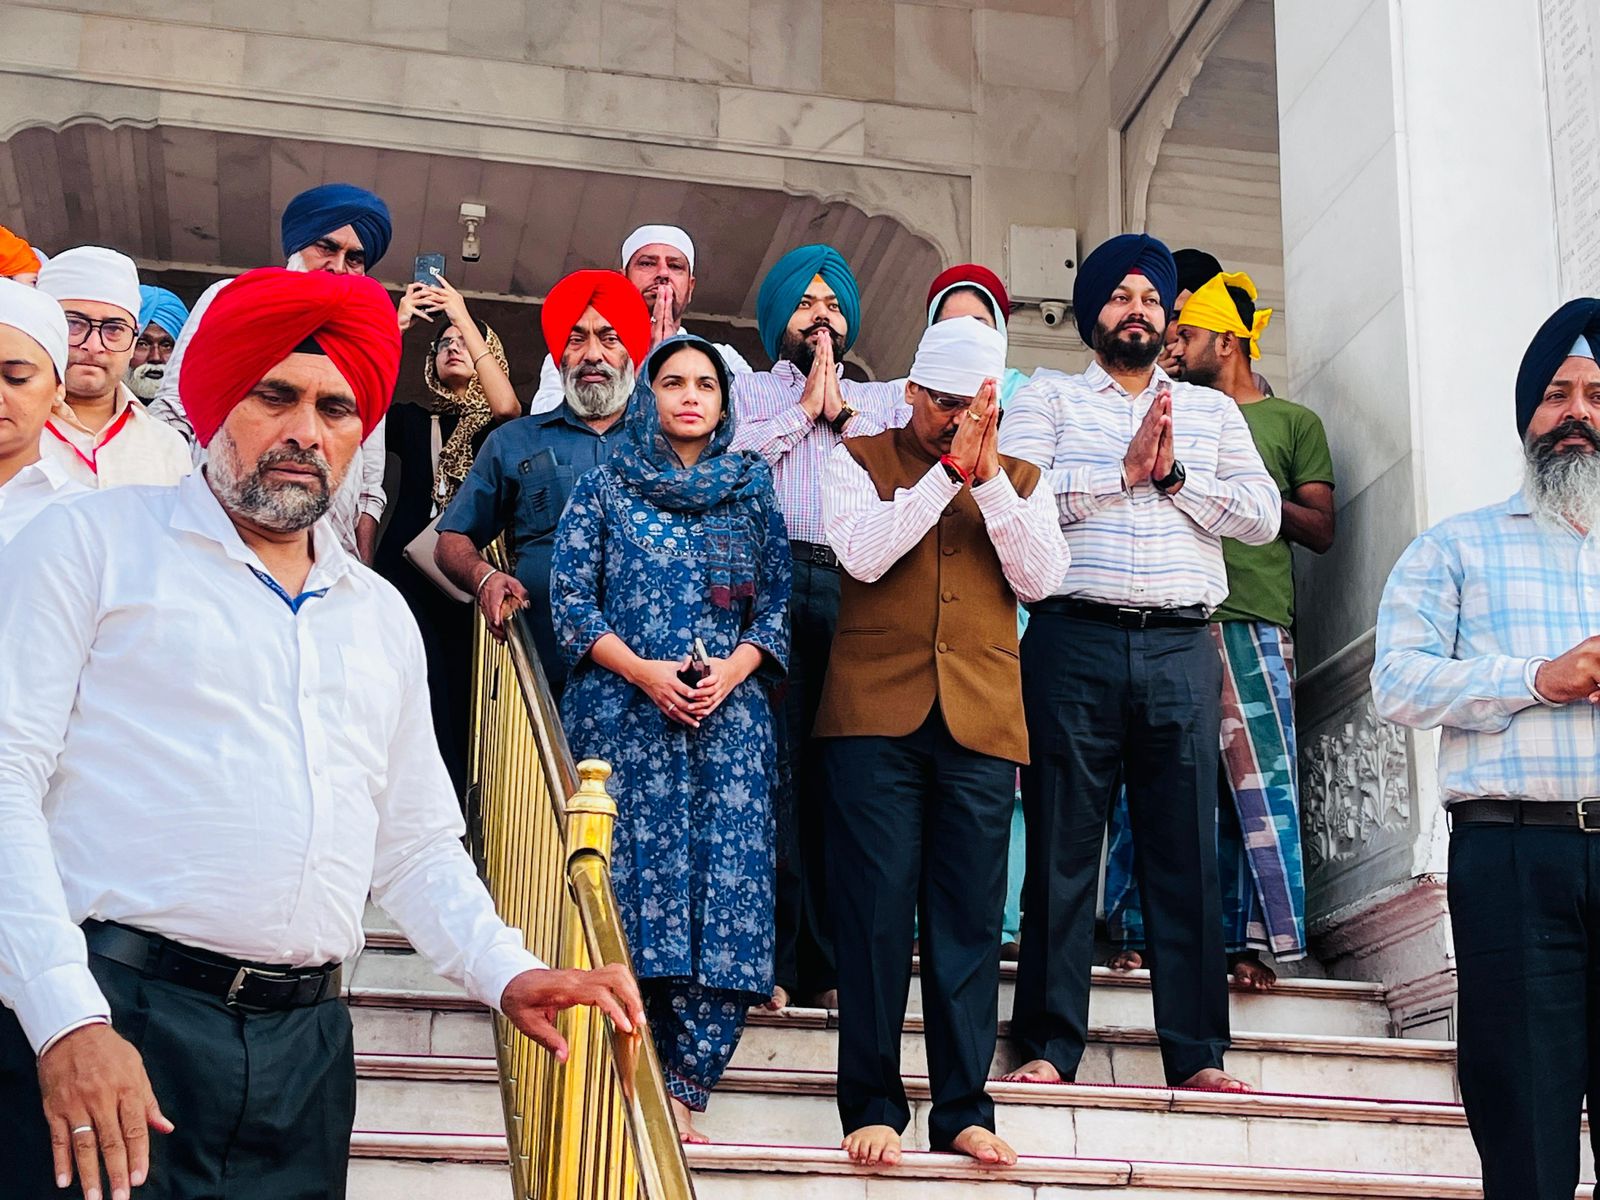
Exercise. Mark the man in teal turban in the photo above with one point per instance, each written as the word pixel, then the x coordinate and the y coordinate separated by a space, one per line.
pixel 161 319
pixel 795 415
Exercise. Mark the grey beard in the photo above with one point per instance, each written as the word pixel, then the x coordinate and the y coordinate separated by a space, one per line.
pixel 1564 488
pixel 145 381
pixel 282 508
pixel 592 401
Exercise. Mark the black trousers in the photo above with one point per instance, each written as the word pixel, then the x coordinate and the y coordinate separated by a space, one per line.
pixel 263 1104
pixel 803 961
pixel 1525 910
pixel 1144 705
pixel 917 822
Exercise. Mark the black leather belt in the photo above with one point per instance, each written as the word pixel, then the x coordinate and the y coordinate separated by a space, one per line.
pixel 1582 815
pixel 814 553
pixel 1190 616
pixel 247 986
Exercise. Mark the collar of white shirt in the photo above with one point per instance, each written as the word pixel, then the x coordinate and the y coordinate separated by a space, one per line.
pixel 65 417
pixel 199 512
pixel 1098 378
pixel 49 470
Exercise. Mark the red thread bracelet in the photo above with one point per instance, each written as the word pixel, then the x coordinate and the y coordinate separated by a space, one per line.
pixel 950 462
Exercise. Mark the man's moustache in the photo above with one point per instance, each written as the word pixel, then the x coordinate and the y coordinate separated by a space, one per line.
pixel 1568 428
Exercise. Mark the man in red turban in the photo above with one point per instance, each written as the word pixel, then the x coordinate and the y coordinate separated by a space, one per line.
pixel 597 327
pixel 175 920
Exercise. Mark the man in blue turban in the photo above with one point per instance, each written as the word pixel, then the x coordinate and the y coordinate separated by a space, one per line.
pixel 161 318
pixel 809 311
pixel 345 230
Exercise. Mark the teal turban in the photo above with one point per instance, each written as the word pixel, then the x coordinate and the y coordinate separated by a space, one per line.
pixel 161 307
pixel 786 283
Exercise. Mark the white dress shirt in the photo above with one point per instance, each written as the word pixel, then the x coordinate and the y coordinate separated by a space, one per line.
pixel 1131 545
pixel 870 534
pixel 133 448
pixel 27 493
pixel 552 395
pixel 188 754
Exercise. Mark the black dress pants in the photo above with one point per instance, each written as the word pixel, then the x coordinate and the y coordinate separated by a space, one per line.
pixel 803 949
pixel 263 1103
pixel 917 821
pixel 1104 702
pixel 1525 911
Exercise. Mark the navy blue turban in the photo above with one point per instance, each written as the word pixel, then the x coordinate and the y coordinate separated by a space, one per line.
pixel 318 212
pixel 1113 261
pixel 1551 347
pixel 784 285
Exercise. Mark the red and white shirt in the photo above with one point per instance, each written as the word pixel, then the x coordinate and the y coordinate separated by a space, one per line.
pixel 133 447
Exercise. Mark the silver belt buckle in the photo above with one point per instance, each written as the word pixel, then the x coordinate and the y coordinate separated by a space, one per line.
pixel 1141 615
pixel 243 973
pixel 1583 815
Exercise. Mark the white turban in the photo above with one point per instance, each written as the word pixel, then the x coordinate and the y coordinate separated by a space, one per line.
pixel 93 273
pixel 39 316
pixel 956 356
pixel 650 235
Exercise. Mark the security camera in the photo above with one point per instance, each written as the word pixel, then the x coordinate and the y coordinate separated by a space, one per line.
pixel 1054 312
pixel 472 216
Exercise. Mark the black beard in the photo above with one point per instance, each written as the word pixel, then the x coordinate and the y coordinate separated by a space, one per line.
pixel 1542 450
pixel 1123 353
pixel 1199 374
pixel 799 349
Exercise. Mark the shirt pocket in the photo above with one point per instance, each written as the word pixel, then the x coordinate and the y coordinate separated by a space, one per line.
pixel 543 486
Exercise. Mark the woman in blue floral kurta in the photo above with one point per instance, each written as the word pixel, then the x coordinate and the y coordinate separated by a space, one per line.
pixel 649 555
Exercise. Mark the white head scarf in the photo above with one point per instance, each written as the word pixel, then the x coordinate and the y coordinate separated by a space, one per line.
pixel 650 235
pixel 957 355
pixel 39 316
pixel 93 273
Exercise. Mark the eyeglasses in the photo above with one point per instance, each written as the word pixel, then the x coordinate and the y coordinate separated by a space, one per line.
pixel 148 344
pixel 450 343
pixel 945 402
pixel 115 335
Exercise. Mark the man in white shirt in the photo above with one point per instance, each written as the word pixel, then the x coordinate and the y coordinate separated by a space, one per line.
pixel 659 261
pixel 1121 678
pixel 218 741
pixel 344 230
pixel 33 361
pixel 921 731
pixel 100 434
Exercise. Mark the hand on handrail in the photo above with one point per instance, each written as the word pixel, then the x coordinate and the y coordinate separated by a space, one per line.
pixel 532 1000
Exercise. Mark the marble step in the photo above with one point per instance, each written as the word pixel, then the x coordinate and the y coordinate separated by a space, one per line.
pixel 1325 1006
pixel 415 1022
pixel 788 1108
pixel 457 1167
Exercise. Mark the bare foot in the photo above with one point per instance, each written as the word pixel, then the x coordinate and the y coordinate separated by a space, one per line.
pixel 1038 1071
pixel 1214 1080
pixel 1251 974
pixel 979 1143
pixel 780 999
pixel 873 1145
pixel 1125 960
pixel 687 1133
pixel 827 999
pixel 1010 951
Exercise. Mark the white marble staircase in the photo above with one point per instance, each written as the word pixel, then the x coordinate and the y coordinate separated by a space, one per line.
pixel 1343 1109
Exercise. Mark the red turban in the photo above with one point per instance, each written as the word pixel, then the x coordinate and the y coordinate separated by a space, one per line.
pixel 263 316
pixel 617 300
pixel 972 273
pixel 16 256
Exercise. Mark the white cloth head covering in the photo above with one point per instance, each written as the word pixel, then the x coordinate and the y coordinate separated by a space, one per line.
pixel 39 316
pixel 1582 348
pixel 962 285
pixel 649 235
pixel 93 273
pixel 957 355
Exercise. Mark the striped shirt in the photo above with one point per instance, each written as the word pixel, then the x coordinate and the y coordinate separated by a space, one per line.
pixel 1132 545
pixel 766 405
pixel 1473 609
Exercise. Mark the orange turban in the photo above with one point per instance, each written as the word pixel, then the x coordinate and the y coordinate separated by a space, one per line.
pixel 617 300
pixel 265 315
pixel 16 256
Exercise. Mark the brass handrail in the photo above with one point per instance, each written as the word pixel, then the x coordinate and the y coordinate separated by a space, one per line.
pixel 598 1126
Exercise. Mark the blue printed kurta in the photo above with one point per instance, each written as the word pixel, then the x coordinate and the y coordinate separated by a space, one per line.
pixel 692 857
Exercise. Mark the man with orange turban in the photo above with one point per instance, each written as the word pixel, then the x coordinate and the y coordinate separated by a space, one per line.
pixel 18 260
pixel 597 327
pixel 176 918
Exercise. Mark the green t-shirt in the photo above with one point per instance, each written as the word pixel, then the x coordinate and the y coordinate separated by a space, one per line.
pixel 1295 450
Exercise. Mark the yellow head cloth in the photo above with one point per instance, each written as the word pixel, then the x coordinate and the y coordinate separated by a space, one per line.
pixel 1210 307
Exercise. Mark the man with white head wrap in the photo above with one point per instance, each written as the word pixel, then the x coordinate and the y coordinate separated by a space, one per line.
pixel 100 433
pixel 33 363
pixel 659 261
pixel 939 537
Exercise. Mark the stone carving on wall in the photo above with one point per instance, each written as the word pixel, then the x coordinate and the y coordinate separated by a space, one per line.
pixel 1355 791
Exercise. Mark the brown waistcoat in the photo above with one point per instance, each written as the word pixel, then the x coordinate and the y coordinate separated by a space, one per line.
pixel 939 626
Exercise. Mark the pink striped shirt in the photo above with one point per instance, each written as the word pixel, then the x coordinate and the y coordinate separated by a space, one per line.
pixel 766 405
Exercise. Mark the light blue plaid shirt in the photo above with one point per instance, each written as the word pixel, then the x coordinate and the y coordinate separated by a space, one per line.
pixel 1471 611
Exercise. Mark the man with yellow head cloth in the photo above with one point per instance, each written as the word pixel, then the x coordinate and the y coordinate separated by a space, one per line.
pixel 1218 338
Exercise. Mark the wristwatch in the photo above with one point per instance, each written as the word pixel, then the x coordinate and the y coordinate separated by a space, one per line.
pixel 841 419
pixel 1172 480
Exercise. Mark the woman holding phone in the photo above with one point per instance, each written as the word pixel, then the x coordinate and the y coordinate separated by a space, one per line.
pixel 679 539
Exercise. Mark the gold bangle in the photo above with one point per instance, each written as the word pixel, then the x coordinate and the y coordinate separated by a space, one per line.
pixel 481 357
